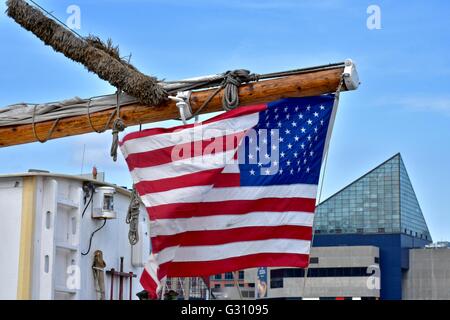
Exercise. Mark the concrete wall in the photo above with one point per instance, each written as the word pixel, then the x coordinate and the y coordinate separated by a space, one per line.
pixel 342 257
pixel 393 260
pixel 335 257
pixel 428 277
pixel 330 257
pixel 233 293
pixel 325 288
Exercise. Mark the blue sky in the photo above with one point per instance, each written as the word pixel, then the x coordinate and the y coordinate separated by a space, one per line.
pixel 403 104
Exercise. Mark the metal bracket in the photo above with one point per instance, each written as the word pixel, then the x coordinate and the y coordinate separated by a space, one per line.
pixel 351 77
pixel 182 100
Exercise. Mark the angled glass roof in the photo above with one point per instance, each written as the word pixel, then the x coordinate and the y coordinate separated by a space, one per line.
pixel 381 201
pixel 412 220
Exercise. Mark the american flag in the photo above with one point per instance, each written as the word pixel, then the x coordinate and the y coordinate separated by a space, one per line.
pixel 234 192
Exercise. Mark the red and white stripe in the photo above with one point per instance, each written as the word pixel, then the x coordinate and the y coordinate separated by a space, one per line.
pixel 201 221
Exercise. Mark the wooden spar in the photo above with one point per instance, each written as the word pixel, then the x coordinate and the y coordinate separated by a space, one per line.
pixel 301 85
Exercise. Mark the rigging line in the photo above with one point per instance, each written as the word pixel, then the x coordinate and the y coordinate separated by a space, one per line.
pixel 50 132
pixel 193 84
pixel 59 102
pixel 219 77
pixel 231 82
pixel 118 123
pixel 204 83
pixel 133 217
pixel 87 205
pixel 117 127
pixel 302 70
pixel 59 21
pixel 108 123
pixel 236 284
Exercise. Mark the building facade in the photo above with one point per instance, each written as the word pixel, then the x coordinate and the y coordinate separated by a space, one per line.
pixel 53 225
pixel 363 235
pixel 334 273
pixel 381 202
pixel 428 276
pixel 379 209
pixel 228 279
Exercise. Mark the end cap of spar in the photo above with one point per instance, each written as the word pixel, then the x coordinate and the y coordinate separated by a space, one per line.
pixel 351 77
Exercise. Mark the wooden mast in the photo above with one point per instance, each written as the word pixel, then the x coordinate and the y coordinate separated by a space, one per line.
pixel 301 85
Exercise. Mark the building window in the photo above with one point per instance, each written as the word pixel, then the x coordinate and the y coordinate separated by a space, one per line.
pixel 287 273
pixel 218 277
pixel 276 283
pixel 217 286
pixel 228 285
pixel 241 275
pixel 279 274
pixel 248 294
pixel 381 230
pixel 229 276
pixel 377 260
pixel 314 260
pixel 251 285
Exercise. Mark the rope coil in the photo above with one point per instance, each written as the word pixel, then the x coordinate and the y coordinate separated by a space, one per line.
pixel 117 127
pixel 232 80
pixel 231 83
pixel 133 217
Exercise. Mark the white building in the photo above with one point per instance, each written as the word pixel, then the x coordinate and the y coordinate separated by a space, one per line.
pixel 43 237
pixel 342 272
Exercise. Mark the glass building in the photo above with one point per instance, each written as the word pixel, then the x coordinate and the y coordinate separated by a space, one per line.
pixel 379 209
pixel 382 201
pixel 367 228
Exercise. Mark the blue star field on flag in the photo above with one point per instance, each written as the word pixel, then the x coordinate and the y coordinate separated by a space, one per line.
pixel 290 144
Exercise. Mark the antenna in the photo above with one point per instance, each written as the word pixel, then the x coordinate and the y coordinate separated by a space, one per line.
pixel 82 159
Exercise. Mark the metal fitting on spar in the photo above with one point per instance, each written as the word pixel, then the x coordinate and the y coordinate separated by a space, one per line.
pixel 182 100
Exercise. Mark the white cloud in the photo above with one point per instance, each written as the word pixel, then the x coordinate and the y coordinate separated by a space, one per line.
pixel 423 103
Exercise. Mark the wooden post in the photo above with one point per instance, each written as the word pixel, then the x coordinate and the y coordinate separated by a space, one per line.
pixel 301 85
pixel 112 285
